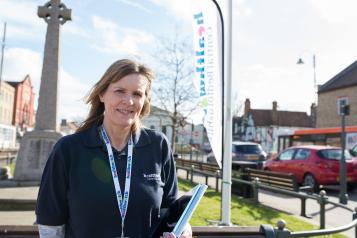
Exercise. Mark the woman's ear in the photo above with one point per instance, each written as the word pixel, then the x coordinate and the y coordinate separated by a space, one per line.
pixel 101 97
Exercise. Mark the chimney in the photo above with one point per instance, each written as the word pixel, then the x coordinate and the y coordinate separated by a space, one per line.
pixel 274 114
pixel 64 122
pixel 246 107
pixel 275 106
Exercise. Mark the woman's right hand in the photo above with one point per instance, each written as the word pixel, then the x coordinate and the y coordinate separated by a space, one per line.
pixel 168 235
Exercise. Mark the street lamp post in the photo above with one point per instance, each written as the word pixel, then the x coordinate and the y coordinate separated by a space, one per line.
pixel 2 54
pixel 301 61
pixel 343 196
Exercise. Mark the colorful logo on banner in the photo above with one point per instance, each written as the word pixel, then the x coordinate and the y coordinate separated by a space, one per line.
pixel 208 79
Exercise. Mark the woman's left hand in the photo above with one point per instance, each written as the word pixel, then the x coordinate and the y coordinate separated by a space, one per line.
pixel 187 233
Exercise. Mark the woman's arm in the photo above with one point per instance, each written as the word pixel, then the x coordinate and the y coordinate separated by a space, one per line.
pixel 51 231
pixel 170 189
pixel 52 202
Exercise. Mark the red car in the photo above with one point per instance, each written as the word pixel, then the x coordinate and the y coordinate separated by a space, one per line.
pixel 314 165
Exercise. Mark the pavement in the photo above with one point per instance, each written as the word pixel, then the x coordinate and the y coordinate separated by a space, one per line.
pixel 334 216
pixel 18 217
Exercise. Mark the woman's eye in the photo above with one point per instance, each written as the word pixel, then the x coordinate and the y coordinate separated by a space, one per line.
pixel 119 91
pixel 138 94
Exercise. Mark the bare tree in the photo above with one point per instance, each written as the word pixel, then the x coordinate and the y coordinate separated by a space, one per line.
pixel 238 107
pixel 175 91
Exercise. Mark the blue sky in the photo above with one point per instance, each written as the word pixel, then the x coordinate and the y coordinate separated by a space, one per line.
pixel 268 38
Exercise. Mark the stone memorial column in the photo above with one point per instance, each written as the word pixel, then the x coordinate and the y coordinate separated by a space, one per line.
pixel 37 144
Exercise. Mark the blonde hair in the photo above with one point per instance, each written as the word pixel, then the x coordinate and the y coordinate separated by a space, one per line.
pixel 114 73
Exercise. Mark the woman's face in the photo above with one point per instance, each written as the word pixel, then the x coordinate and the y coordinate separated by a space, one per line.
pixel 124 99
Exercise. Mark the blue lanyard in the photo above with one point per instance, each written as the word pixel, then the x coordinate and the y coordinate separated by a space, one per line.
pixel 122 200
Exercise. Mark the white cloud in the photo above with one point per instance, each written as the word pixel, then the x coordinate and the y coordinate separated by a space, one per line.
pixel 21 17
pixel 117 40
pixel 72 93
pixel 182 9
pixel 18 62
pixel 136 5
pixel 75 29
pixel 19 11
pixel 263 85
pixel 21 32
pixel 241 9
pixel 335 11
pixel 104 24
pixel 157 2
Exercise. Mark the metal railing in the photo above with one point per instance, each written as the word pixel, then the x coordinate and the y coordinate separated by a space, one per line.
pixel 280 231
pixel 204 169
pixel 321 198
pixel 9 157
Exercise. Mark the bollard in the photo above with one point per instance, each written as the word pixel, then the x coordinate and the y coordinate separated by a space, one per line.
pixel 192 168
pixel 322 200
pixel 280 231
pixel 217 179
pixel 8 159
pixel 281 224
pixel 354 217
pixel 255 190
pixel 303 207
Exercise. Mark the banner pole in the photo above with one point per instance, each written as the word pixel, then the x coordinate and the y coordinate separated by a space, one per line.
pixel 227 149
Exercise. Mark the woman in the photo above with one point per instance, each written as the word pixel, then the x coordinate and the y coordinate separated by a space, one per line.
pixel 77 197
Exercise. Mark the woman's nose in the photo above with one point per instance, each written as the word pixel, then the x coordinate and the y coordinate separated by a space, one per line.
pixel 128 98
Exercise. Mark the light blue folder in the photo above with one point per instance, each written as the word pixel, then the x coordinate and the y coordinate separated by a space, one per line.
pixel 196 194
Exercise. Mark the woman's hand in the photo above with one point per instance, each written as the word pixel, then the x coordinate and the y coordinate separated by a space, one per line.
pixel 187 233
pixel 168 235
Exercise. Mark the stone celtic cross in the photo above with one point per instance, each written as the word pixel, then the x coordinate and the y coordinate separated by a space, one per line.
pixel 36 145
pixel 54 13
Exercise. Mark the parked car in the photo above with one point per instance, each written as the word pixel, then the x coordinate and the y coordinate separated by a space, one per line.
pixel 245 154
pixel 314 165
pixel 353 151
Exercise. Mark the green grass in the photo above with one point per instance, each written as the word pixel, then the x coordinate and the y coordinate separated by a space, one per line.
pixel 12 168
pixel 243 213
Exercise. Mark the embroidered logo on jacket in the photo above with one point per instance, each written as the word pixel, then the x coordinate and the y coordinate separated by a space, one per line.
pixel 155 177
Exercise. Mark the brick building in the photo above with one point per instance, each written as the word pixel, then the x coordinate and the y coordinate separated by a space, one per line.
pixel 265 125
pixel 7 131
pixel 23 113
pixel 342 88
pixel 7 93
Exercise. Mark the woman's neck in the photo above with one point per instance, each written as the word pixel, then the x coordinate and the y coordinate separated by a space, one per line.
pixel 118 136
